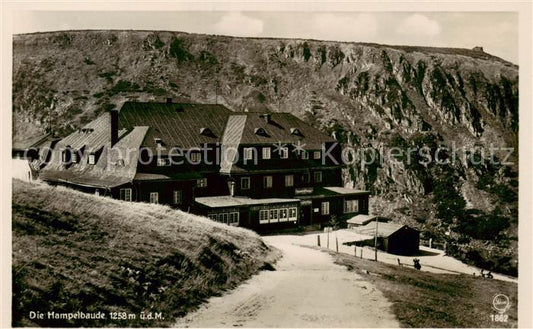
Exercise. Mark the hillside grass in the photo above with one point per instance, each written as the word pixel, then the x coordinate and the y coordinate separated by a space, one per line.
pixel 430 300
pixel 78 252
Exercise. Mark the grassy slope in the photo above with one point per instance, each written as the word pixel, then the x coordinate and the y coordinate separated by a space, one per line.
pixel 422 299
pixel 73 251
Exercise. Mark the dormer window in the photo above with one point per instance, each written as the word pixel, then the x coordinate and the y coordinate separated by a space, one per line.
pixel 65 155
pixel 305 155
pixel 93 155
pixel 296 131
pixel 87 130
pixel 159 142
pixel 316 155
pixel 91 159
pixel 75 157
pixel 260 132
pixel 206 132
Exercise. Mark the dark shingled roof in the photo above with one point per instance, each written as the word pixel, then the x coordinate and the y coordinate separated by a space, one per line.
pixel 182 124
pixel 278 129
pixel 177 125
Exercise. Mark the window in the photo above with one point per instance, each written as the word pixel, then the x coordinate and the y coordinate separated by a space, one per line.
pixel 284 152
pixel 92 159
pixel 318 176
pixel 316 155
pixel 233 218
pixel 325 208
pixel 125 194
pixel 154 197
pixel 202 182
pixel 284 215
pixel 248 153
pixel 267 182
pixel 230 218
pixel 263 216
pixel 75 158
pixel 305 155
pixel 159 142
pixel 296 131
pixel 120 163
pixel 196 157
pixel 289 180
pixel 306 178
pixel 65 156
pixel 293 214
pixel 266 152
pixel 273 215
pixel 163 162
pixel 176 197
pixel 351 206
pixel 245 183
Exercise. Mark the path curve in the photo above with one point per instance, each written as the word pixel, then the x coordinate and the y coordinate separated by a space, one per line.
pixel 306 290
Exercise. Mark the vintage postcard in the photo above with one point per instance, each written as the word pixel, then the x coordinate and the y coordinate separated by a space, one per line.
pixel 290 164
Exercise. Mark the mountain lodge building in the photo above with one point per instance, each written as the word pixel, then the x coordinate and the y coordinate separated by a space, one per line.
pixel 257 170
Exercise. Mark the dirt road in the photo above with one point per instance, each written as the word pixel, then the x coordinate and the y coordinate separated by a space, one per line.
pixel 306 290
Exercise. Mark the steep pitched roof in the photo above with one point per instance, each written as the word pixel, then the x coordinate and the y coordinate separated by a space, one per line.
pixel 282 128
pixel 115 166
pixel 93 135
pixel 176 125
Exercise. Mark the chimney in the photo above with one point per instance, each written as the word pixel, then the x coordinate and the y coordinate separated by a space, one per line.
pixel 169 100
pixel 114 127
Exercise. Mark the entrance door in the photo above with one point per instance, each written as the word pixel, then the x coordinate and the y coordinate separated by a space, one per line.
pixel 306 215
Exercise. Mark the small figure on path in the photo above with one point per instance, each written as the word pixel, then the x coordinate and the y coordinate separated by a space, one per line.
pixel 399 263
pixel 417 263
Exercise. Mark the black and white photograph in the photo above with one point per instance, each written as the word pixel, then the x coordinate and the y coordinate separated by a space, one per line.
pixel 252 164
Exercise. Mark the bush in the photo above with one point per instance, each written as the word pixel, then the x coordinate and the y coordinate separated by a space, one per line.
pixel 125 86
pixel 178 51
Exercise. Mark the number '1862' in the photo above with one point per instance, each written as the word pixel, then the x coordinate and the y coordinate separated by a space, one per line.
pixel 499 317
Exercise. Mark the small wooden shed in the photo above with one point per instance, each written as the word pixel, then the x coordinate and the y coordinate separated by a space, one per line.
pixel 394 238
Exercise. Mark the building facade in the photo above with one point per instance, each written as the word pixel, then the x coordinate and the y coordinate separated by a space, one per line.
pixel 256 170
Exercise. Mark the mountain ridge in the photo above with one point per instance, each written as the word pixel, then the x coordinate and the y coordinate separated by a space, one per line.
pixel 473 53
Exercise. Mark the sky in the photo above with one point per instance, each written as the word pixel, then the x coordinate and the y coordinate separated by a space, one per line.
pixel 496 32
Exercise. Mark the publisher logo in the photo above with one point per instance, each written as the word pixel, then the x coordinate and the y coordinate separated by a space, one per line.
pixel 501 303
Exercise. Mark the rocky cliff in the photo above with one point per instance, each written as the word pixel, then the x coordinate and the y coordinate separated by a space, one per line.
pixel 432 104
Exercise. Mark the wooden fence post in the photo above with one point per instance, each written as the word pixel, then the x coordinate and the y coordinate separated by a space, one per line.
pixel 318 239
pixel 430 242
pixel 337 244
pixel 328 239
